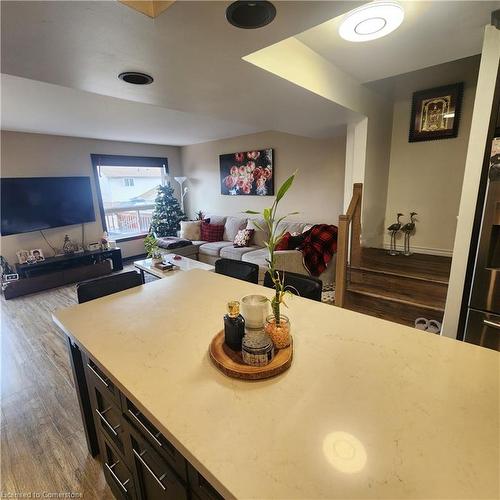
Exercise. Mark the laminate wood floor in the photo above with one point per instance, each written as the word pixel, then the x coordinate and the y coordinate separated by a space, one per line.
pixel 43 448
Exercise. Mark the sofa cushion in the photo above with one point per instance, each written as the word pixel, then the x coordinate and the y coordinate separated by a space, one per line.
pixel 214 248
pixel 211 232
pixel 257 257
pixel 216 219
pixel 232 226
pixel 236 253
pixel 191 229
pixel 198 243
pixel 291 226
pixel 260 235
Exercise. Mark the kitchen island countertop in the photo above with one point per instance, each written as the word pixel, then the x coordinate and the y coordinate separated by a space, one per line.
pixel 368 409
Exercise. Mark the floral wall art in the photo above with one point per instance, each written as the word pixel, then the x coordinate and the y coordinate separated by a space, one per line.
pixel 247 173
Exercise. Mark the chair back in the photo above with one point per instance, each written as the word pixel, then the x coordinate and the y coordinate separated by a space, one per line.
pixel 245 271
pixel 93 289
pixel 299 284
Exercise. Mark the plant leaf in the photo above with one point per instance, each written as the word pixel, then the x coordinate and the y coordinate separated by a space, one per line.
pixel 257 225
pixel 267 214
pixel 252 212
pixel 285 187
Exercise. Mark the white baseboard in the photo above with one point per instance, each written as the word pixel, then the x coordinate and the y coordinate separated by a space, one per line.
pixel 428 251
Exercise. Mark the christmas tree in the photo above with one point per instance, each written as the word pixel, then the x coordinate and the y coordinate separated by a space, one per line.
pixel 167 213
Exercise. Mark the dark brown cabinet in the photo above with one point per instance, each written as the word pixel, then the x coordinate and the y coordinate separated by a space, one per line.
pixel 139 462
pixel 159 442
pixel 118 475
pixel 156 479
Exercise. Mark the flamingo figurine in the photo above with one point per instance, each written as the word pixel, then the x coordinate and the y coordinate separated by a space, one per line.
pixel 394 228
pixel 407 229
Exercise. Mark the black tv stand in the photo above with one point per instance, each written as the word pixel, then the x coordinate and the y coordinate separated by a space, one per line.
pixel 72 260
pixel 62 270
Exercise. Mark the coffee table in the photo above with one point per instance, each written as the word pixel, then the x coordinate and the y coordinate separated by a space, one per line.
pixel 183 264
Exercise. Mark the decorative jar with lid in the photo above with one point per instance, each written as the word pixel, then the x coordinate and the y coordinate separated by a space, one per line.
pixel 257 349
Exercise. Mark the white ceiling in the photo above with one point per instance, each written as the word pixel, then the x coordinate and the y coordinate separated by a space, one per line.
pixel 191 51
pixel 433 32
pixel 202 89
pixel 32 106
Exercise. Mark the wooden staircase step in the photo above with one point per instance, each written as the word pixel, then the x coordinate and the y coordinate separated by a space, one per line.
pixel 419 289
pixel 408 298
pixel 390 308
pixel 403 274
pixel 417 266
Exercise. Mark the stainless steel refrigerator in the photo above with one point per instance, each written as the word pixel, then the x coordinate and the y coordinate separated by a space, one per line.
pixel 483 318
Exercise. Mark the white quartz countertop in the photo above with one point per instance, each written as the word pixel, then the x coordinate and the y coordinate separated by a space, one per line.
pixel 368 409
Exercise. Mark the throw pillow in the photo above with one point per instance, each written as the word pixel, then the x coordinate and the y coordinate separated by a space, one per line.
pixel 191 230
pixel 243 237
pixel 283 244
pixel 260 235
pixel 211 232
pixel 232 226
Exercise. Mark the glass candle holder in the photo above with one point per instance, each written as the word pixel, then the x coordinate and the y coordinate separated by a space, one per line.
pixel 254 308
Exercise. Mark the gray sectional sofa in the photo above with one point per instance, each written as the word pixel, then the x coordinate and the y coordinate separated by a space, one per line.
pixel 287 260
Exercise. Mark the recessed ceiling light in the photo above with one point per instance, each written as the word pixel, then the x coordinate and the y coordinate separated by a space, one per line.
pixel 135 78
pixel 250 14
pixel 371 21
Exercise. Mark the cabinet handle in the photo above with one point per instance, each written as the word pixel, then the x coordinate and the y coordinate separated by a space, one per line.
pixel 103 418
pixel 94 371
pixel 138 420
pixel 115 477
pixel 148 468
pixel 493 324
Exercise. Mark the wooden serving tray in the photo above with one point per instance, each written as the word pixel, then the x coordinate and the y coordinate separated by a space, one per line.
pixel 231 363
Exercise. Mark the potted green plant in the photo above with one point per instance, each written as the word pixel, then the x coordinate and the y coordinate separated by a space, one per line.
pixel 277 325
pixel 152 248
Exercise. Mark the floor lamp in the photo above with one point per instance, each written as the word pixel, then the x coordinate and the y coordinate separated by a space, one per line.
pixel 184 190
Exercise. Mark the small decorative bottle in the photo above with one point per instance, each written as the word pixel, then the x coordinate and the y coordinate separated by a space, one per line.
pixel 68 246
pixel 234 326
pixel 105 241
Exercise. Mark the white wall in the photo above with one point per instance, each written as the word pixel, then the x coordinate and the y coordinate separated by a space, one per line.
pixel 368 140
pixel 490 59
pixel 426 177
pixel 317 193
pixel 39 155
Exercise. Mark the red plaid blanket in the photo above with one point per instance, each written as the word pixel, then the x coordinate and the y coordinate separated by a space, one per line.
pixel 318 247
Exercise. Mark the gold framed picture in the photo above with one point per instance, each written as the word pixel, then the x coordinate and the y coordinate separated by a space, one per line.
pixel 435 113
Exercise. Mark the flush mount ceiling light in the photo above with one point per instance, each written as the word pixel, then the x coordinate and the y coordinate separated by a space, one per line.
pixel 371 21
pixel 135 78
pixel 250 15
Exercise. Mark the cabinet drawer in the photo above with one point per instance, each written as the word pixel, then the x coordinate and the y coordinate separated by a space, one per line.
pixel 118 475
pixel 108 418
pixel 95 376
pixel 201 488
pixel 155 478
pixel 155 438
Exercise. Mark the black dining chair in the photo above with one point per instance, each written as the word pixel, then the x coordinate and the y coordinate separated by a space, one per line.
pixel 245 271
pixel 298 284
pixel 100 287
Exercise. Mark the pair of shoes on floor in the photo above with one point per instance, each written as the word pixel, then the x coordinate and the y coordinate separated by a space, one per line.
pixel 431 326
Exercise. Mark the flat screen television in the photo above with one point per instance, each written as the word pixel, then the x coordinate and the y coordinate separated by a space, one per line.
pixel 36 203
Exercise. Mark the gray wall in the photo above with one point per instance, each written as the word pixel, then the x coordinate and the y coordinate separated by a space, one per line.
pixel 39 155
pixel 317 193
